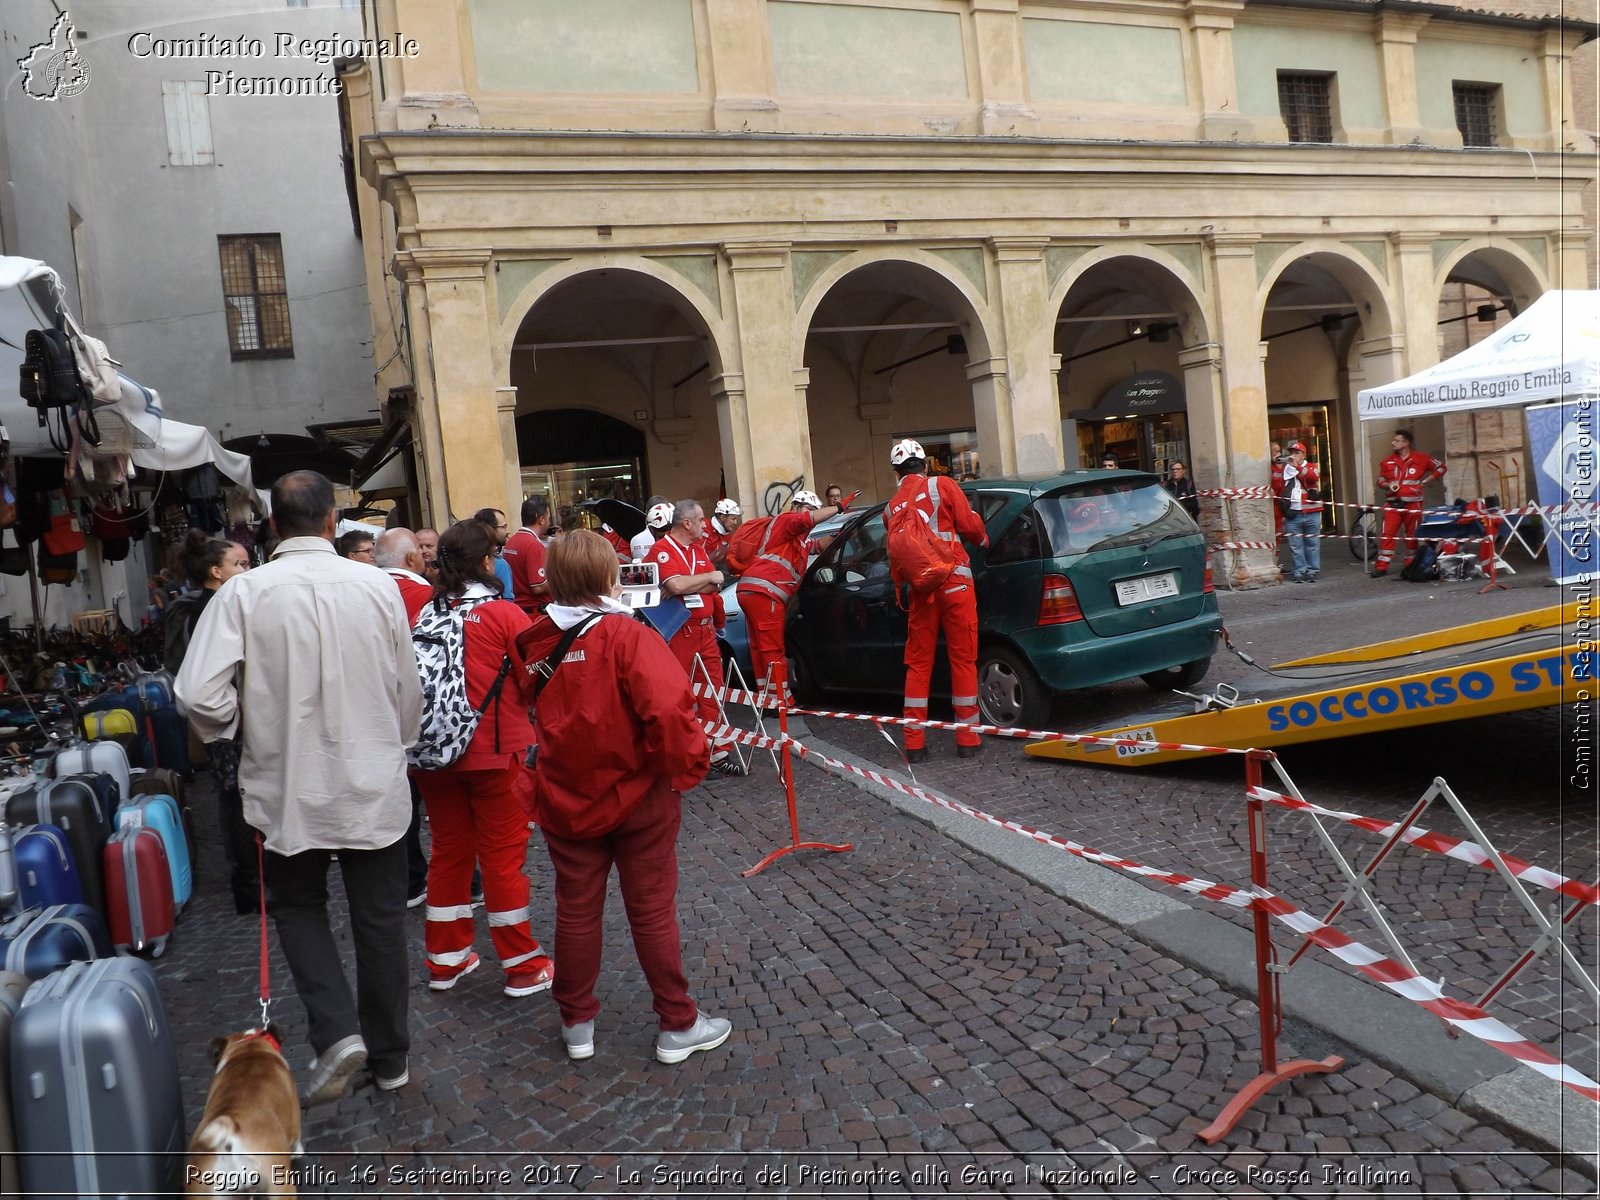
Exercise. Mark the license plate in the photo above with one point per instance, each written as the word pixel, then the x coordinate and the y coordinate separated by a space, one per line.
pixel 1149 587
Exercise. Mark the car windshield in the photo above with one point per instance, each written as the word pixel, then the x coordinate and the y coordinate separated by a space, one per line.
pixel 1116 512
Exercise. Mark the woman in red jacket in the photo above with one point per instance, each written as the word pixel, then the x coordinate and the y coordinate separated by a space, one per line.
pixel 474 811
pixel 618 741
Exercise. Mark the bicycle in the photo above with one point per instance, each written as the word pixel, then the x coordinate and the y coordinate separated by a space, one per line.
pixel 1364 528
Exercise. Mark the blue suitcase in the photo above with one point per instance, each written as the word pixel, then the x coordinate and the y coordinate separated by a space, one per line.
pixel 38 941
pixel 46 874
pixel 12 988
pixel 8 875
pixel 161 814
pixel 73 805
pixel 95 1092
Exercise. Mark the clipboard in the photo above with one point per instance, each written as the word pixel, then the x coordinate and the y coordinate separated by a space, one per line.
pixel 667 617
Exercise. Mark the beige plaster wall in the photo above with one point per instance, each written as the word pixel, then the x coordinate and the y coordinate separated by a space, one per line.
pixel 1261 51
pixel 855 50
pixel 584 45
pixel 1442 61
pixel 1099 63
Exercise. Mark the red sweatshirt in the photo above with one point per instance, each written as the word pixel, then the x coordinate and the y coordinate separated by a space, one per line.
pixel 492 627
pixel 616 718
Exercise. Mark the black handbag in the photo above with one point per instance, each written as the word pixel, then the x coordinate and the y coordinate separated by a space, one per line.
pixel 49 373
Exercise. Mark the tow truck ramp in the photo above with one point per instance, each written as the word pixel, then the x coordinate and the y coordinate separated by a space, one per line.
pixel 1503 665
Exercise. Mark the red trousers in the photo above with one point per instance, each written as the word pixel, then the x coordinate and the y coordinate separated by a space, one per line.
pixel 1393 520
pixel 476 817
pixel 763 616
pixel 695 638
pixel 644 849
pixel 954 609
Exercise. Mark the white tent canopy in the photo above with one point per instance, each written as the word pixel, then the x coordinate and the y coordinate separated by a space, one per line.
pixel 1549 351
pixel 30 298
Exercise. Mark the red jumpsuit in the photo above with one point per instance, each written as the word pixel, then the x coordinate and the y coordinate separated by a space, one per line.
pixel 415 591
pixel 618 543
pixel 715 546
pixel 764 592
pixel 524 554
pixel 476 815
pixel 1402 478
pixel 953 607
pixel 699 633
pixel 618 742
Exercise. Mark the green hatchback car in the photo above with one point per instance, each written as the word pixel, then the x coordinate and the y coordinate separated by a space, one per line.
pixel 1090 577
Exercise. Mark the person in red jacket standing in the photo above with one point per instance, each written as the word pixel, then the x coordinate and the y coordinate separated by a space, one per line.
pixel 618 742
pixel 765 588
pixel 1401 477
pixel 727 517
pixel 952 607
pixel 400 554
pixel 686 573
pixel 474 808
pixel 524 554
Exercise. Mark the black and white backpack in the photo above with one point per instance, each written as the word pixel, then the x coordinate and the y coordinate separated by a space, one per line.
pixel 449 718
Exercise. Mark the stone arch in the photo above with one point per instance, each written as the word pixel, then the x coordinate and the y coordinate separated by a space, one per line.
pixel 1503 266
pixel 948 287
pixel 1358 275
pixel 689 300
pixel 1160 263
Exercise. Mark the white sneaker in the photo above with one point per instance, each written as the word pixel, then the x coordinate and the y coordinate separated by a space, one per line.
pixel 579 1040
pixel 707 1033
pixel 331 1070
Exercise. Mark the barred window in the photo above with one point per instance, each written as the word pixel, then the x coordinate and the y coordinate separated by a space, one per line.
pixel 1306 102
pixel 1475 105
pixel 256 295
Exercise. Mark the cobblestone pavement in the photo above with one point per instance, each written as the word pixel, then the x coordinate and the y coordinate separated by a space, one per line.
pixel 1459 922
pixel 909 1018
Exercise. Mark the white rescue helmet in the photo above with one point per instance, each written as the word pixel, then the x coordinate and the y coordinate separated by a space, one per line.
pixel 809 499
pixel 659 515
pixel 728 508
pixel 904 449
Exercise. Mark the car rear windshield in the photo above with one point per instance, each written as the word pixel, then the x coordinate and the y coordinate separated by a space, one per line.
pixel 1102 516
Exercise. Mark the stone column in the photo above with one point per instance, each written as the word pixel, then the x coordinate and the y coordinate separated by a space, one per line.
pixel 1395 35
pixel 505 402
pixel 1202 389
pixel 1418 318
pixel 1571 259
pixel 733 427
pixel 1031 364
pixel 1002 75
pixel 432 87
pixel 1555 60
pixel 1242 454
pixel 763 314
pixel 741 65
pixel 456 390
pixel 1211 32
pixel 991 410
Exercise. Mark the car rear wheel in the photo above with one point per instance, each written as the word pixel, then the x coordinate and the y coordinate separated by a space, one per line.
pixel 1009 693
pixel 1184 676
pixel 802 683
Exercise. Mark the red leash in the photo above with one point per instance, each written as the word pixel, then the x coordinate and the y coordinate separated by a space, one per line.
pixel 261 886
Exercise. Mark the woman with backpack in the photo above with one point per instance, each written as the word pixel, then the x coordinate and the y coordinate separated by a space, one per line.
pixel 619 741
pixel 475 811
pixel 208 563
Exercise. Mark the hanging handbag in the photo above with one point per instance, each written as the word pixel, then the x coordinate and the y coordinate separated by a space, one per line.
pixel 63 535
pixel 13 559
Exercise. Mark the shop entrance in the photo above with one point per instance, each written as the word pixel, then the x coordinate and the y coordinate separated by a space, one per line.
pixel 571 455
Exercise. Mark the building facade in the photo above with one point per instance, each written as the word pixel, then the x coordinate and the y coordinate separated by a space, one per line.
pixel 633 246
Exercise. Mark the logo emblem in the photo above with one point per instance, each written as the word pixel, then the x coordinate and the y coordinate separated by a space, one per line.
pixel 55 68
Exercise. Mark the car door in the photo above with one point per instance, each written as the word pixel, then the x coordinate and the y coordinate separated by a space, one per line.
pixel 846 620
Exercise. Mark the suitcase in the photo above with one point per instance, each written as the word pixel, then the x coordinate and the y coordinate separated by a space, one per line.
pixel 155 689
pixel 94 757
pixel 46 874
pixel 12 989
pixel 73 805
pixel 8 874
pixel 95 1092
pixel 161 814
pixel 38 941
pixel 168 734
pixel 139 908
pixel 160 781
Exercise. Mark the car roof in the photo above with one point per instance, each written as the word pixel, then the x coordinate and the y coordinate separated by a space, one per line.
pixel 1040 483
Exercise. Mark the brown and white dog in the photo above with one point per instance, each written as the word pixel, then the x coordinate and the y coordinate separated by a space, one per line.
pixel 250 1130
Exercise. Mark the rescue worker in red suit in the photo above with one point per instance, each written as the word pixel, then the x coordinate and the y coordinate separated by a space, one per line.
pixel 524 554
pixel 475 806
pixel 1400 478
pixel 953 607
pixel 686 573
pixel 618 543
pixel 727 517
pixel 766 587
pixel 618 741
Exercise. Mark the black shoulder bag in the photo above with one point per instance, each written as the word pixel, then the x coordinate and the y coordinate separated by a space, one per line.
pixel 545 671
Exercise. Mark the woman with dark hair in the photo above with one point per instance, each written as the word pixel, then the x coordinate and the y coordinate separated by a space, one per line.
pixel 475 812
pixel 619 740
pixel 208 563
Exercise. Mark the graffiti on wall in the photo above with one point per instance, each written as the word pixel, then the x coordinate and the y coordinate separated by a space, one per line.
pixel 779 496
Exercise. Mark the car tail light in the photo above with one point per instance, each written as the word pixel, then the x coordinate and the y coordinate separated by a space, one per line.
pixel 1059 604
pixel 1210 586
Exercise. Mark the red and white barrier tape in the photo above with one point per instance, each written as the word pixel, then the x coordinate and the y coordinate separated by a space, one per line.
pixel 1438 843
pixel 1263 492
pixel 1405 982
pixel 1527 510
pixel 735 696
pixel 1392 975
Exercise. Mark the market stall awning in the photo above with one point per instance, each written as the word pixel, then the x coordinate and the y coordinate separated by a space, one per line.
pixel 1551 350
pixel 1141 395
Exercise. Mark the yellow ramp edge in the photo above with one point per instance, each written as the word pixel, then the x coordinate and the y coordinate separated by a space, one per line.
pixel 1540 677
pixel 1493 627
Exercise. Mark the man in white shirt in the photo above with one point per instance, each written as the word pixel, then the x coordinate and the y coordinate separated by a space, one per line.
pixel 312 658
pixel 658 517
